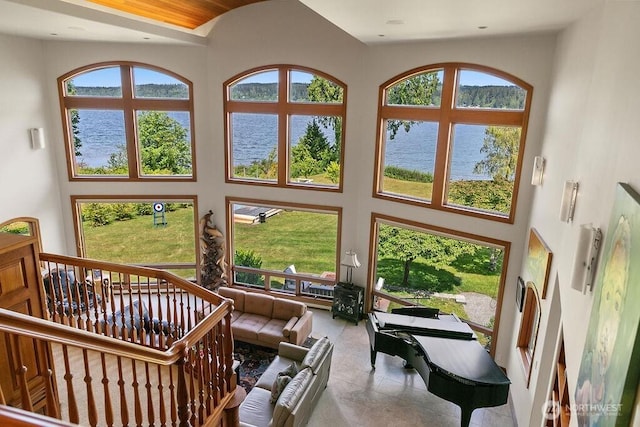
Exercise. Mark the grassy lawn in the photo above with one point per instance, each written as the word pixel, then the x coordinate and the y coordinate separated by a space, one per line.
pixel 281 241
pixel 284 240
pixel 419 190
pixel 444 305
pixel 138 241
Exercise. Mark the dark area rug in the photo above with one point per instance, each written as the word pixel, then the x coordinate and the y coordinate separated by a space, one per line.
pixel 255 359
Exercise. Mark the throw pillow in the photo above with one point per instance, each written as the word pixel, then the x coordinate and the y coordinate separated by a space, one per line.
pixel 290 371
pixel 278 385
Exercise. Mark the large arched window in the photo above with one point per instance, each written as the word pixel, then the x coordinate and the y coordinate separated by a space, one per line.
pixel 127 121
pixel 451 137
pixel 285 127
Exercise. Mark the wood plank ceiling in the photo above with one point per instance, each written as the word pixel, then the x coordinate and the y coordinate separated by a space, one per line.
pixel 184 13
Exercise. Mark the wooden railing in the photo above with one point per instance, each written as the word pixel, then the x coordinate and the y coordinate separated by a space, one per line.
pixel 130 345
pixel 315 287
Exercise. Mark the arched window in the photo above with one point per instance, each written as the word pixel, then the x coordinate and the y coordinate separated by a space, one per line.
pixel 284 127
pixel 451 137
pixel 127 121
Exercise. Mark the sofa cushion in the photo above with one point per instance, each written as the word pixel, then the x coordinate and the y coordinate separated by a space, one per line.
pixel 285 309
pixel 271 332
pixel 258 304
pixel 237 295
pixel 291 395
pixel 316 353
pixel 256 408
pixel 278 386
pixel 248 325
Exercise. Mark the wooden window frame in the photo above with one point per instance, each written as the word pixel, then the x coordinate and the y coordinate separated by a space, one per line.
pixel 448 115
pixel 230 201
pixel 529 327
pixel 283 109
pixel 129 105
pixel 79 235
pixel 371 292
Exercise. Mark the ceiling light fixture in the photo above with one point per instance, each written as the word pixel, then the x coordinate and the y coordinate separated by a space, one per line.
pixel 482 27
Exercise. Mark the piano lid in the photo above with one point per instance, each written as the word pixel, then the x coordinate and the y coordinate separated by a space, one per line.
pixel 448 326
pixel 464 360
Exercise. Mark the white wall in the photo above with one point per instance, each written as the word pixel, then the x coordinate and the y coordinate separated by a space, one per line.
pixel 28 179
pixel 286 32
pixel 592 137
pixel 189 62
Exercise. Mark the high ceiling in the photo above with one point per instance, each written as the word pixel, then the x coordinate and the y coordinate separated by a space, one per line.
pixel 185 13
pixel 370 21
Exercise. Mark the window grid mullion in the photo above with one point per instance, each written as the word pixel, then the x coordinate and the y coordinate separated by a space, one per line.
pixel 444 139
pixel 129 121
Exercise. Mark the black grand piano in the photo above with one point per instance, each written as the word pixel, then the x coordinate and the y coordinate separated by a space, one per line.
pixel 446 354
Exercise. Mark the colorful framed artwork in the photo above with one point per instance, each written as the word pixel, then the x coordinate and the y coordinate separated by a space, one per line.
pixel 538 262
pixel 609 370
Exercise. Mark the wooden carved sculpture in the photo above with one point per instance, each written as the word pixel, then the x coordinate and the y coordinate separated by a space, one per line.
pixel 213 266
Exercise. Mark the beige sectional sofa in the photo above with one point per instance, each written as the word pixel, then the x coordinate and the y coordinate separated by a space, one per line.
pixel 294 405
pixel 266 320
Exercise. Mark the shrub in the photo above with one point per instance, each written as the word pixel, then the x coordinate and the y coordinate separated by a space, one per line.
pixel 143 208
pixel 407 175
pixel 97 214
pixel 248 259
pixel 123 211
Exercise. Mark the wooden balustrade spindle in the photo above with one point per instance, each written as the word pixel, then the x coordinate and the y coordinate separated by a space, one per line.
pixel 161 406
pixel 71 396
pixel 150 411
pixel 108 409
pixel 21 375
pixel 136 394
pixel 182 394
pixel 91 402
pixel 53 406
pixel 124 410
pixel 172 392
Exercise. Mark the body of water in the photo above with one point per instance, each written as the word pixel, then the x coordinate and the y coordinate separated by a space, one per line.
pixel 255 135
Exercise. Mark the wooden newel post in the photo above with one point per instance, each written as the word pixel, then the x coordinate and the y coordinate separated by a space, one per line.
pixel 183 395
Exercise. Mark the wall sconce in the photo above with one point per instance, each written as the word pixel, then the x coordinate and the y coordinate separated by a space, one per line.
pixel 350 260
pixel 538 169
pixel 568 205
pixel 584 264
pixel 37 138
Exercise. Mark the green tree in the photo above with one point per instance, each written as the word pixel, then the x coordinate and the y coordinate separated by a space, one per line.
pixel 421 89
pixel 322 90
pixel 313 154
pixel 74 116
pixel 303 164
pixel 263 168
pixel 407 245
pixel 333 171
pixel 163 144
pixel 501 145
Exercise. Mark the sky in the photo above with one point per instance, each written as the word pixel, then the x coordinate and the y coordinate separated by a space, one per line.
pixel 110 77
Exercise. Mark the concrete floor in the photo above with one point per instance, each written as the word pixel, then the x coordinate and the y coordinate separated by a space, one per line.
pixel 390 395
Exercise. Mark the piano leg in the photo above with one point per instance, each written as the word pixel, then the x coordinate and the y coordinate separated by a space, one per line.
pixel 373 358
pixel 465 418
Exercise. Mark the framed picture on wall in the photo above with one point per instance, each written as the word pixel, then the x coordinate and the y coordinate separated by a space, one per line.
pixel 520 291
pixel 609 369
pixel 538 262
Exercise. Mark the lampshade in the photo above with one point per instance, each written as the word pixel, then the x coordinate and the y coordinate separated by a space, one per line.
pixel 350 259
